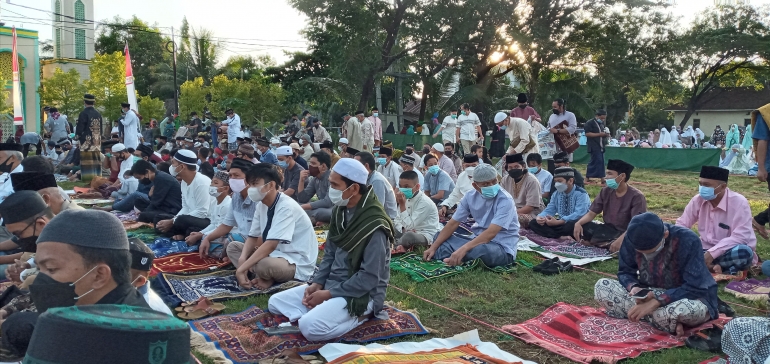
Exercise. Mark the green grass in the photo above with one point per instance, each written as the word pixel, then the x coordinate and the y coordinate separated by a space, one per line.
pixel 509 299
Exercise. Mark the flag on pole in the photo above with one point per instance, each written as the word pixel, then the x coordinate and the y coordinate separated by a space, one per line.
pixel 18 117
pixel 130 82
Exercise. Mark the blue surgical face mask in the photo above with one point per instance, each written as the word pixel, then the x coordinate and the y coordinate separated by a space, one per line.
pixel 532 170
pixel 707 193
pixel 408 193
pixel 504 127
pixel 376 114
pixel 454 116
pixel 434 170
pixel 283 164
pixel 382 161
pixel 490 191
pixel 612 183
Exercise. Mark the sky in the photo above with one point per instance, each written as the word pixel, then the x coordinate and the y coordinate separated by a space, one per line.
pixel 244 27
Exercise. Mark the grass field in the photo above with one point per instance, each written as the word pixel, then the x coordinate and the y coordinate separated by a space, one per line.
pixel 509 299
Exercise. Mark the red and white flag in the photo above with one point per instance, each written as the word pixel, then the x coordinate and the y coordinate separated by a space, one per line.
pixel 130 90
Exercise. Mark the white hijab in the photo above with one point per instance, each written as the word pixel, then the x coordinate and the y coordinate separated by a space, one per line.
pixel 674 134
pixel 665 137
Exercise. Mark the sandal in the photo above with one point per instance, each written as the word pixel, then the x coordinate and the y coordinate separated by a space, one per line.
pixel 198 314
pixel 202 303
pixel 707 340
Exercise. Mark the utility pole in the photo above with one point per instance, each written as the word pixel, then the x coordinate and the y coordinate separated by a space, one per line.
pixel 176 90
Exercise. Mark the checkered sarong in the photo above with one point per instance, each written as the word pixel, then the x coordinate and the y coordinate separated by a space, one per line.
pixel 736 259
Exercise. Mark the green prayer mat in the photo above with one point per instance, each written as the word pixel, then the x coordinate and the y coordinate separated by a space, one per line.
pixel 420 271
pixel 146 235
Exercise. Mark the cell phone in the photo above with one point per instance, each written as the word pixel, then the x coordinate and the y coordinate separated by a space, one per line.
pixel 642 294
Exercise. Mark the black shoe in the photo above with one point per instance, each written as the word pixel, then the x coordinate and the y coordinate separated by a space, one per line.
pixel 547 265
pixel 707 340
pixel 725 308
pixel 565 267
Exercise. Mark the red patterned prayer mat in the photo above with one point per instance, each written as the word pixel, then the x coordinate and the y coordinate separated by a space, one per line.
pixel 465 354
pixel 585 334
pixel 241 337
pixel 730 278
pixel 185 262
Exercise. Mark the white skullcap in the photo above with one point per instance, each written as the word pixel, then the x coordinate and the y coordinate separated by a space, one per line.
pixel 275 140
pixel 118 147
pixel 294 146
pixel 483 173
pixel 285 151
pixel 500 117
pixel 186 156
pixel 344 141
pixel 197 145
pixel 438 146
pixel 352 170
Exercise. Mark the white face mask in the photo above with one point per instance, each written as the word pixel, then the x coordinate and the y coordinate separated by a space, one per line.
pixel 173 171
pixel 652 255
pixel 214 191
pixel 336 197
pixel 237 184
pixel 256 194
pixel 561 187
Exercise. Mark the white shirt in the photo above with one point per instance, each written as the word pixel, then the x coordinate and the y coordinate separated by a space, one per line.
pixel 420 216
pixel 307 151
pixel 217 213
pixel 554 120
pixel 6 189
pixel 125 166
pixel 450 129
pixel 462 186
pixel 130 129
pixel 392 172
pixel 155 302
pixel 233 128
pixel 519 131
pixel 195 197
pixel 545 178
pixel 292 228
pixel 468 124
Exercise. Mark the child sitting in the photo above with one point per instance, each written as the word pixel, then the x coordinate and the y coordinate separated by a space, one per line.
pixel 129 186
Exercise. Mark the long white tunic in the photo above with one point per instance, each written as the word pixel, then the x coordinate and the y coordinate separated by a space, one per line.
pixel 131 130
pixel 420 217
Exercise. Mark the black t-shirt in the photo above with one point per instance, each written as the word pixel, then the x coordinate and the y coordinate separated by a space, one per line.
pixel 594 143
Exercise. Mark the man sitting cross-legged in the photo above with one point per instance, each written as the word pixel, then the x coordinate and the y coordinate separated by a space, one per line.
pixel 282 244
pixel 495 233
pixel 724 223
pixel 417 220
pixel 353 276
pixel 320 168
pixel 618 203
pixel 524 187
pixel 568 204
pixel 438 183
pixel 194 215
pixel 464 185
pixel 666 260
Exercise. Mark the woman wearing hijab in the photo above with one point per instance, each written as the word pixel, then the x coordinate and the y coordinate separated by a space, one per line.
pixel 718 138
pixel 737 162
pixel 733 136
pixel 665 138
pixel 674 135
pixel 746 141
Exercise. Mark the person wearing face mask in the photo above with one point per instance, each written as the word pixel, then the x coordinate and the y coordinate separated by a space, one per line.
pixel 130 126
pixel 10 162
pixel 417 220
pixel 320 134
pixel 407 164
pixel 382 188
pixel 163 144
pixel 568 204
pixel 464 185
pixel 291 171
pixel 560 115
pixel 377 126
pixel 233 127
pixel 446 164
pixel 367 132
pixel 352 279
pixel 343 146
pixel 518 132
pixel 58 157
pixel 469 128
pixel 385 165
pixel 449 152
pixel 141 264
pixel 267 155
pixel 665 259
pixel 328 148
pixel 535 168
pixel 25 214
pixel 495 233
pixel 194 215
pixel 296 150
pixel 281 243
pixel 724 223
pixel 524 187
pixel 410 151
pixel 595 134
pixel 438 184
pixel 524 111
pixel 618 203
pixel 238 218
pixel 123 157
pixel 561 159
pixel 166 196
pixel 221 203
pixel 448 128
pixel 320 169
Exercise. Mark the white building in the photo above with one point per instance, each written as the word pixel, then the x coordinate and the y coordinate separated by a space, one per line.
pixel 73 32
pixel 723 107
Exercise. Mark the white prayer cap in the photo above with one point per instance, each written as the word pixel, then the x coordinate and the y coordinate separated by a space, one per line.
pixel 118 147
pixel 294 146
pixel 344 141
pixel 186 156
pixel 197 145
pixel 500 117
pixel 483 173
pixel 285 151
pixel 352 170
pixel 438 146
pixel 275 140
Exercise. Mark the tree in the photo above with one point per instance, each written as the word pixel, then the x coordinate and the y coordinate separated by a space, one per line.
pixel 266 100
pixel 246 67
pixel 233 94
pixel 107 83
pixel 203 55
pixel 146 43
pixel 721 42
pixel 193 97
pixel 151 108
pixel 64 90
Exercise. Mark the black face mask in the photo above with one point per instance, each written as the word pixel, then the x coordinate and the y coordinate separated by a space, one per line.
pixel 409 150
pixel 425 150
pixel 28 244
pixel 48 293
pixel 145 181
pixel 523 106
pixel 7 166
pixel 517 173
pixel 58 152
pixel 556 112
pixel 448 153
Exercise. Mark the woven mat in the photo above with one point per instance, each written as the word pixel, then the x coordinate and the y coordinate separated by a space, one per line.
pixel 750 289
pixel 185 263
pixel 241 338
pixel 586 334
pixel 163 247
pixel 419 270
pixel 457 355
pixel 218 286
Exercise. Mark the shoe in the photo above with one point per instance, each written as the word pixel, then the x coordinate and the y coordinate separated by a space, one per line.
pixel 708 340
pixel 547 264
pixel 724 308
pixel 565 267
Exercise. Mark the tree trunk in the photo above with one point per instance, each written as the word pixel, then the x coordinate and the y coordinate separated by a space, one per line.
pixel 532 84
pixel 366 92
pixel 690 111
pixel 424 99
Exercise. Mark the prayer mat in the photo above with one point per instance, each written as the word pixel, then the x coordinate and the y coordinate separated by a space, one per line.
pixel 93 201
pixel 146 235
pixel 321 236
pixel 165 246
pixel 543 241
pixel 126 216
pixel 715 360
pixel 525 244
pixel 242 339
pixel 750 289
pixel 80 190
pixel 719 277
pixel 185 263
pixel 585 334
pixel 217 286
pixel 457 355
pixel 574 250
pixel 61 177
pixel 420 271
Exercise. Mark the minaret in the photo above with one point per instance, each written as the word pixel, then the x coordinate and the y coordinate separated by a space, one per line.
pixel 73 29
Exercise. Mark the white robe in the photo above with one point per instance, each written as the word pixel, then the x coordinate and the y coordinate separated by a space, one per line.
pixel 131 130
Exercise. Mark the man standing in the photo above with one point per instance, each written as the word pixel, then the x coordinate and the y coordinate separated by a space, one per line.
pixel 595 134
pixel 291 171
pixel 89 132
pixel 469 129
pixel 233 124
pixel 353 275
pixel 448 128
pixel 518 132
pixel 377 126
pixel 130 126
pixel 195 124
pixel 495 233
pixel 524 111
pixel 57 125
pixel 385 165
pixel 666 261
pixel 724 223
pixel 367 132
pixel 560 115
pixel 354 132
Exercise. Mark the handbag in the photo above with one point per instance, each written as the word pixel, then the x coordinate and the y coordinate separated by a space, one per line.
pixel 567 143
